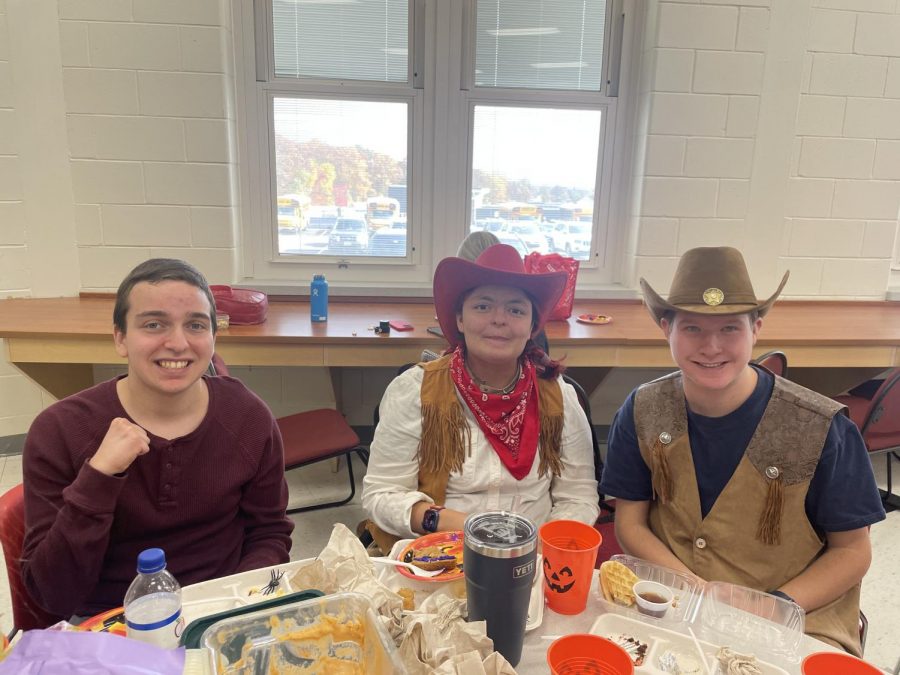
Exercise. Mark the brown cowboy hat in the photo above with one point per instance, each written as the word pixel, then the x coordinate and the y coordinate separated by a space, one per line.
pixel 711 280
pixel 498 265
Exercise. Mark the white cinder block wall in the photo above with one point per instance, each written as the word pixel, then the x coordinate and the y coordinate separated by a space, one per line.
pixel 772 125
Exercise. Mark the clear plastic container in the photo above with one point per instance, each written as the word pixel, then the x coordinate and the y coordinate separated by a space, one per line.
pixel 685 589
pixel 750 621
pixel 339 632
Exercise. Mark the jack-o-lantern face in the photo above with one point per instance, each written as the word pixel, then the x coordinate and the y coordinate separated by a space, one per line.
pixel 560 581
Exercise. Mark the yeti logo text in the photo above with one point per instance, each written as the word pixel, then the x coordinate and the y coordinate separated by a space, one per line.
pixel 523 570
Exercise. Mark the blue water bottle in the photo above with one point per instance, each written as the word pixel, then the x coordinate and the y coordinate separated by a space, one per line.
pixel 318 298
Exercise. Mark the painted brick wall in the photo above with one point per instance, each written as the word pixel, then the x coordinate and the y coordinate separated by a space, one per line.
pixel 148 116
pixel 773 127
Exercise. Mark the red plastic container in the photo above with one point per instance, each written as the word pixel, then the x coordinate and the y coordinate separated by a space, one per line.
pixel 831 663
pixel 583 653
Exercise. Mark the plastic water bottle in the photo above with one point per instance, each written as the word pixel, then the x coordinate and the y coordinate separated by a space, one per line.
pixel 153 602
pixel 318 298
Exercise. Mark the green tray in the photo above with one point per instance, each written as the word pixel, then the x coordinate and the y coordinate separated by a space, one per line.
pixel 190 638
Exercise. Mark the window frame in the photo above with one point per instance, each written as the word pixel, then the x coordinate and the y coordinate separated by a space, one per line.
pixel 442 97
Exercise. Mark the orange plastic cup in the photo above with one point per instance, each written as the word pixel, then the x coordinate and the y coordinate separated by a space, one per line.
pixel 583 653
pixel 569 549
pixel 829 663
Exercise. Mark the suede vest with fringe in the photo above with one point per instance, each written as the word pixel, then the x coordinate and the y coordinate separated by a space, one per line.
pixel 445 443
pixel 757 533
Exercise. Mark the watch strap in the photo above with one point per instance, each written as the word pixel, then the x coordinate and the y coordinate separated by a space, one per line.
pixel 431 518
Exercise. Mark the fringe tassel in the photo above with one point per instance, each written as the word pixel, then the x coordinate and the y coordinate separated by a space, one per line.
pixel 662 474
pixel 448 436
pixel 550 440
pixel 769 529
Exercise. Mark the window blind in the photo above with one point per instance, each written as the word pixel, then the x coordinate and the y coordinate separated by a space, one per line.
pixel 341 39
pixel 540 44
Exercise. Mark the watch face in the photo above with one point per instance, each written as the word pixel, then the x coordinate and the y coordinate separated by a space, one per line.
pixel 430 521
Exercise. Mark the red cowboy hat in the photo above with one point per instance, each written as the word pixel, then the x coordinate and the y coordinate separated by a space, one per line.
pixel 498 265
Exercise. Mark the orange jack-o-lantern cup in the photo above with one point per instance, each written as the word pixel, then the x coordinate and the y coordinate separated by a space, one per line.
pixel 569 549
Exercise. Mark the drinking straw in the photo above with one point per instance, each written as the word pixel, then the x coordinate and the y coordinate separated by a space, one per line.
pixel 699 651
pixel 511 522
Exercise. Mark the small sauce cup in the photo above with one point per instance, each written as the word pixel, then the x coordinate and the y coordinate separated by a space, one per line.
pixel 653 599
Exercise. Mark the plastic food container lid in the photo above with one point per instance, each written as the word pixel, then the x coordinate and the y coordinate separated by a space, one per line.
pixel 751 621
pixel 685 589
pixel 335 630
pixel 191 636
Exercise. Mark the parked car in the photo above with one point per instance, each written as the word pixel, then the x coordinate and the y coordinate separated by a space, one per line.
pixel 515 241
pixel 349 235
pixel 321 224
pixel 572 238
pixel 488 224
pixel 390 241
pixel 529 232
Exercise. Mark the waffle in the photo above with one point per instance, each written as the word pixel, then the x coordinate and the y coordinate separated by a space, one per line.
pixel 617 582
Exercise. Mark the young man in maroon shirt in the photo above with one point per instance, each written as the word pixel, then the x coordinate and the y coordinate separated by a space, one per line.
pixel 160 457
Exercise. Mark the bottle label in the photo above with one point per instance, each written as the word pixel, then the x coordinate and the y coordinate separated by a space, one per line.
pixel 143 622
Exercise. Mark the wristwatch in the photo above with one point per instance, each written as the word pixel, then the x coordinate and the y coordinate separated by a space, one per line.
pixel 431 518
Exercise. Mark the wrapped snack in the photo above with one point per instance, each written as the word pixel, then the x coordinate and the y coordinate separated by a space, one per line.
pixel 732 663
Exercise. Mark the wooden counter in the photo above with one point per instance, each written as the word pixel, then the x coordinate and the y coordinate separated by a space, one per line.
pixel 55 341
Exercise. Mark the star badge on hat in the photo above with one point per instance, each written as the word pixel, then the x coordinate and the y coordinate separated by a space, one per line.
pixel 713 296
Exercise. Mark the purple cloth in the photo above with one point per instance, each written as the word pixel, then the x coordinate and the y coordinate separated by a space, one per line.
pixel 53 652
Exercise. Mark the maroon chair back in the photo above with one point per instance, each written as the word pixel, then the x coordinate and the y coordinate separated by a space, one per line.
pixel 879 419
pixel 775 362
pixel 27 615
pixel 218 365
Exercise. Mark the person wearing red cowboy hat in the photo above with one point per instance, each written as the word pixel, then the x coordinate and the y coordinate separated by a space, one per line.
pixel 733 474
pixel 490 420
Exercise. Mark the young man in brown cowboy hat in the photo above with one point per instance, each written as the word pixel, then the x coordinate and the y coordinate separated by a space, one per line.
pixel 490 420
pixel 732 474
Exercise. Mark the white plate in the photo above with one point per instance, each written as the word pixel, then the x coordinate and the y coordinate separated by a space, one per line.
pixel 660 640
pixel 536 603
pixel 217 595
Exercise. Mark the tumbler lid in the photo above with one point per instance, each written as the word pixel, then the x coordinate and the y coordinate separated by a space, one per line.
pixel 500 534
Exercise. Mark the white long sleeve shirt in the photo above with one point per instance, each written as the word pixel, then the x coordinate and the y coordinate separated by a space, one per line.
pixel 390 488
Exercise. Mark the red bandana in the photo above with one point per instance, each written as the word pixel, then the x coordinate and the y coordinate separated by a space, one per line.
pixel 510 421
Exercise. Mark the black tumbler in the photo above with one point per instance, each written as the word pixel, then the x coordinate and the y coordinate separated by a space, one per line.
pixel 498 559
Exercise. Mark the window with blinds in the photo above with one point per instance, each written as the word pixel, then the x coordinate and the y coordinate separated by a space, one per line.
pixel 388 129
pixel 341 39
pixel 540 44
pixel 536 160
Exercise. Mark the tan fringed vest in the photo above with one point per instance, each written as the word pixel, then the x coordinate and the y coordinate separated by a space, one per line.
pixel 757 533
pixel 445 443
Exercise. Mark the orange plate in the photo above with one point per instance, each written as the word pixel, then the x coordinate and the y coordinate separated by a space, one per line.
pixel 110 621
pixel 595 319
pixel 450 543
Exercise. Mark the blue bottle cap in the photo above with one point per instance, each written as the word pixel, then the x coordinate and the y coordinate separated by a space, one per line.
pixel 151 560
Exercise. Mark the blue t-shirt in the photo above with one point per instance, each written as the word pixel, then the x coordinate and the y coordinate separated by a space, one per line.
pixel 842 493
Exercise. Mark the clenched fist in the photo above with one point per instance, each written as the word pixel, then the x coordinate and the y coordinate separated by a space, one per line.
pixel 124 441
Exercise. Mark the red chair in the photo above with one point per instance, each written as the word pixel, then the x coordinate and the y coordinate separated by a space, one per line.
pixel 313 436
pixel 27 615
pixel 775 362
pixel 875 408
